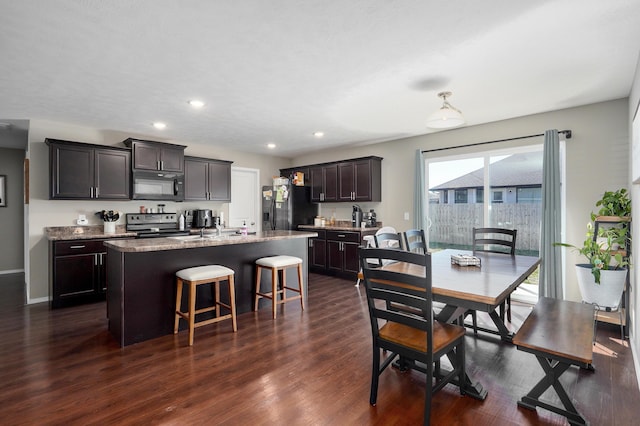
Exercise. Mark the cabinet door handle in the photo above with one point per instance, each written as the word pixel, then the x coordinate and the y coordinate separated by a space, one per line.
pixel 341 235
pixel 310 243
pixel 76 247
pixel 91 192
pixel 161 165
pixel 95 259
pixel 96 192
pixel 158 165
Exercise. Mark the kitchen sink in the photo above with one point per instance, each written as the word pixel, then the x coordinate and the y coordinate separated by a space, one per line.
pixel 205 237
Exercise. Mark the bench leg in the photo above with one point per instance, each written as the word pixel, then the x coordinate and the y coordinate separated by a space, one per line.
pixel 553 370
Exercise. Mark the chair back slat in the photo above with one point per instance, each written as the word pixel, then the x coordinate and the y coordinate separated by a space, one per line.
pixel 495 240
pixel 388 289
pixel 415 241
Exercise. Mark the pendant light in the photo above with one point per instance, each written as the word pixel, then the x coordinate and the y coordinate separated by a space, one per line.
pixel 447 116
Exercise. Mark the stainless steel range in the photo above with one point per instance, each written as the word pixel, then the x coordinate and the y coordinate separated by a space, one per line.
pixel 154 225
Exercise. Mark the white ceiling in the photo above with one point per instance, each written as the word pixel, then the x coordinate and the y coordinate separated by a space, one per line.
pixel 276 71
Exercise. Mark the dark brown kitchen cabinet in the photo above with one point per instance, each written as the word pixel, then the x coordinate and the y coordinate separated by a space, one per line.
pixel 156 156
pixel 80 171
pixel 342 251
pixel 207 179
pixel 324 183
pixel 77 272
pixel 318 252
pixel 360 180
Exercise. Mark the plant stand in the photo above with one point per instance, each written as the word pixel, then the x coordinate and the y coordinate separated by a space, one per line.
pixel 619 315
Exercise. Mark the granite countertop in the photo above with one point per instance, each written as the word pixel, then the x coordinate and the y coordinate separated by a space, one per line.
pixel 61 233
pixel 195 241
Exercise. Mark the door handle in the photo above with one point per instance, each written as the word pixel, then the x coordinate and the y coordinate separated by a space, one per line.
pixel 77 247
pixel 97 192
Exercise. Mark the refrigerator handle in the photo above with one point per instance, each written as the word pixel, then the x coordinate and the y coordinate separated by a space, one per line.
pixel 273 214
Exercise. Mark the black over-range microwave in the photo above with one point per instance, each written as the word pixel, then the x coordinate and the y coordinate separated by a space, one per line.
pixel 157 186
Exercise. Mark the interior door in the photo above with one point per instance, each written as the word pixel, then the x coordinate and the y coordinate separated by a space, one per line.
pixel 246 199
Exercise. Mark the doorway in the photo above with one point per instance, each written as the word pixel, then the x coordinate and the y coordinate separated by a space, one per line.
pixel 245 199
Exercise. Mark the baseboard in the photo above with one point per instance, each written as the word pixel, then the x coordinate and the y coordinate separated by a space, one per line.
pixel 38 300
pixel 11 271
pixel 636 360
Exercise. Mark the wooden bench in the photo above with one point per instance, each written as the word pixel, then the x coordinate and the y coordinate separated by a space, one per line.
pixel 560 334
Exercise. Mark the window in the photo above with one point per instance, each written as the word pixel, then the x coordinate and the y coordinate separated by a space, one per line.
pixel 511 180
pixel 529 195
pixel 461 196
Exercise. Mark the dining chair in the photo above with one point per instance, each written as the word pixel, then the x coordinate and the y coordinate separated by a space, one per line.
pixel 410 334
pixel 415 241
pixel 494 240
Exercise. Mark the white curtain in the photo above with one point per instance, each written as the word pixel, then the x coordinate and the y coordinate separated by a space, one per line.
pixel 419 210
pixel 551 268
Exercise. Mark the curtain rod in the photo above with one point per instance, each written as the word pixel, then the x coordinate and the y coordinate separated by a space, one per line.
pixel 567 134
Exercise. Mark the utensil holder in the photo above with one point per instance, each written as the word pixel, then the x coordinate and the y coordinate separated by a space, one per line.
pixel 109 227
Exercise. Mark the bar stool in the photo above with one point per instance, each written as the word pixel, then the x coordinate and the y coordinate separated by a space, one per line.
pixel 276 264
pixel 193 277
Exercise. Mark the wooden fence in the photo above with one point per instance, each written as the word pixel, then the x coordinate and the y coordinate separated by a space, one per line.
pixel 452 224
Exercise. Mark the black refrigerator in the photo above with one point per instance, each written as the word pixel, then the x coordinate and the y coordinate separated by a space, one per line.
pixel 287 206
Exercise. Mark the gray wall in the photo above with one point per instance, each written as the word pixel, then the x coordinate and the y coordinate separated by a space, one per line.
pixel 597 160
pixel 12 216
pixel 42 212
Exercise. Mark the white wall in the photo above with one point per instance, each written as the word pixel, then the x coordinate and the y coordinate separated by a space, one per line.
pixel 634 99
pixel 597 160
pixel 42 212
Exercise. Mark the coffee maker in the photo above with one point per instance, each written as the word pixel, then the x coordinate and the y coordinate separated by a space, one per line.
pixel 371 219
pixel 356 216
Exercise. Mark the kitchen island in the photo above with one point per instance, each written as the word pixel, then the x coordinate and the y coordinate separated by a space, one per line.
pixel 141 280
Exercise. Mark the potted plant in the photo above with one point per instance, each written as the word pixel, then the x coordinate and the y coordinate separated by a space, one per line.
pixel 602 280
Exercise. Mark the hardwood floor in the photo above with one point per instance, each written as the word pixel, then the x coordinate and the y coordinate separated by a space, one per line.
pixel 305 368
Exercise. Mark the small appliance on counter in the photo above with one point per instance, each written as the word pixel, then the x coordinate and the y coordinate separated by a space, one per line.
pixel 356 216
pixel 202 218
pixel 370 219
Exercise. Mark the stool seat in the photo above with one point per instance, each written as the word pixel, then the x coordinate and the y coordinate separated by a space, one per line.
pixel 278 265
pixel 278 261
pixel 199 273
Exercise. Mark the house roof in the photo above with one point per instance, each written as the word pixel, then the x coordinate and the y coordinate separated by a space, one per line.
pixel 515 170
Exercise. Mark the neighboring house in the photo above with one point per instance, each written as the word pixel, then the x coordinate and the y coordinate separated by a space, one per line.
pixel 515 179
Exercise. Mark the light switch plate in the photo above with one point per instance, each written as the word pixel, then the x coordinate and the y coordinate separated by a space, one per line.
pixel 406 215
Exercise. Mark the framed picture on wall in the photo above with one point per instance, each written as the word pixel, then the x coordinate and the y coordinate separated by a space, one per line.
pixel 3 191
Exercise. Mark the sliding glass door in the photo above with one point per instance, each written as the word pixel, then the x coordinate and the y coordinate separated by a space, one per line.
pixel 490 189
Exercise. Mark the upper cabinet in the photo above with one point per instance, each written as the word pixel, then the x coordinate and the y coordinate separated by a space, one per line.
pixel 358 179
pixel 324 183
pixel 207 179
pixel 80 171
pixel 156 156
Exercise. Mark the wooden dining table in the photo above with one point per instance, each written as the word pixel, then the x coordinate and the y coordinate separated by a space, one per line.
pixel 481 288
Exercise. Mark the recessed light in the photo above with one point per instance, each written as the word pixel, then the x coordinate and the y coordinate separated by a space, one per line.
pixel 158 125
pixel 196 103
pixel 318 134
pixel 271 145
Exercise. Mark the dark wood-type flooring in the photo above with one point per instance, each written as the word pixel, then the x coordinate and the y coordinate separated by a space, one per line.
pixel 305 368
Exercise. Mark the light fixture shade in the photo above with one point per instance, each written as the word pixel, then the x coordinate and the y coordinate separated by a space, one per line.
pixel 446 117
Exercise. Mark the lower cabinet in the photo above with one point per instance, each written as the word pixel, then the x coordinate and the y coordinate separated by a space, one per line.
pixel 77 272
pixel 318 252
pixel 336 252
pixel 342 251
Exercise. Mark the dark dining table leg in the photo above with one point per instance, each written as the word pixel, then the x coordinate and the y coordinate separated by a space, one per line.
pixel 450 314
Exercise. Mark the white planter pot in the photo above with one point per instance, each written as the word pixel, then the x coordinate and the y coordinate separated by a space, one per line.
pixel 608 293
